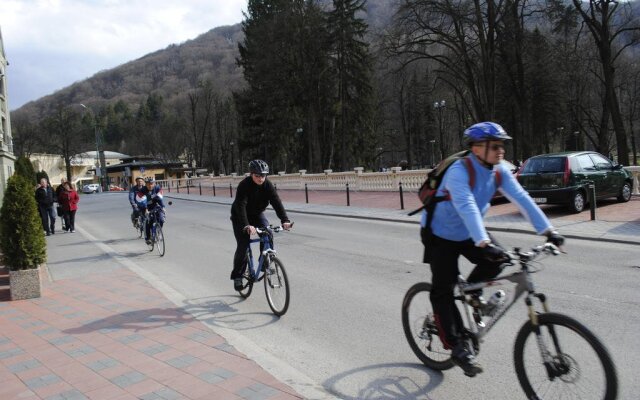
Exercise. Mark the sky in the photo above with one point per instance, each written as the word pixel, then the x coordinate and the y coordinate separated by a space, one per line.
pixel 51 44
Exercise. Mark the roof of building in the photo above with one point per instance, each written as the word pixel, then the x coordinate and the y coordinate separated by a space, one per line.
pixel 107 154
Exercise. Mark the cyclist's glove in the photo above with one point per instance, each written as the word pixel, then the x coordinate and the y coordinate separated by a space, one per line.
pixel 555 238
pixel 494 253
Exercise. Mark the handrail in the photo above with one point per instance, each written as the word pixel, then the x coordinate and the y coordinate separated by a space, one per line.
pixel 387 181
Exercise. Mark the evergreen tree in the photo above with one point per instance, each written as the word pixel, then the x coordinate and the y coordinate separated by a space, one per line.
pixel 351 65
pixel 25 169
pixel 21 238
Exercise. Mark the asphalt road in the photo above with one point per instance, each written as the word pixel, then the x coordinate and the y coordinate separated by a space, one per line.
pixel 348 277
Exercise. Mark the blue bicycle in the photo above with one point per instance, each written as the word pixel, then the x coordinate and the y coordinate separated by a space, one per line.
pixel 156 236
pixel 269 268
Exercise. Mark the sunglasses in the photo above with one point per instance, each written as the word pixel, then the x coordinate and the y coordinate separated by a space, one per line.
pixel 260 175
pixel 494 147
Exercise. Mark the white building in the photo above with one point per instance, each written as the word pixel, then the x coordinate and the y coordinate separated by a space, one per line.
pixel 7 158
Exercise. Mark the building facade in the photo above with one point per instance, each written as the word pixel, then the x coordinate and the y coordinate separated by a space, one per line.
pixel 7 158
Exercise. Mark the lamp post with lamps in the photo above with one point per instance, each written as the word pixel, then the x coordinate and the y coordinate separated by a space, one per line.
pixel 100 161
pixel 439 106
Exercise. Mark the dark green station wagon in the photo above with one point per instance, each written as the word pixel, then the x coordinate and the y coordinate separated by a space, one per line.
pixel 562 178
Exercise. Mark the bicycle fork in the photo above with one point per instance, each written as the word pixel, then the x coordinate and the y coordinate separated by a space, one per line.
pixel 554 365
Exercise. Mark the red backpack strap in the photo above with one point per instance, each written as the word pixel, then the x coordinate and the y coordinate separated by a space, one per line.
pixel 498 179
pixel 471 171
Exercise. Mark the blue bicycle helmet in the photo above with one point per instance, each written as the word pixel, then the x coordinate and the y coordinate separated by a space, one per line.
pixel 258 167
pixel 483 131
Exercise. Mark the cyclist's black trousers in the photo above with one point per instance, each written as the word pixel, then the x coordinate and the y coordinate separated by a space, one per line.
pixel 444 270
pixel 242 239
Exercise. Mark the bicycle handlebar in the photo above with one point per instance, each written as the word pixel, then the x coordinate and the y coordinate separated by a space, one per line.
pixel 546 248
pixel 278 228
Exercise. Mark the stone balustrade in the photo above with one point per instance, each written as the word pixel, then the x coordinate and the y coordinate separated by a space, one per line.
pixel 329 180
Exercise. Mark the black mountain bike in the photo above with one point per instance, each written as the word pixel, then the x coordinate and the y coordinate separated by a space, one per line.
pixel 555 356
pixel 156 236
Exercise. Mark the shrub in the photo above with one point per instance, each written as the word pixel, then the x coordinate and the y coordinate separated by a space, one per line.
pixel 21 236
pixel 25 168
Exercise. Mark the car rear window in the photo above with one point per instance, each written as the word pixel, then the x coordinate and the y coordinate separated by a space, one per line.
pixel 544 165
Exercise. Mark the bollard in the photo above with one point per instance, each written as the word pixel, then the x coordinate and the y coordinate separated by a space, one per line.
pixel 275 186
pixel 306 193
pixel 230 190
pixel 169 186
pixel 200 187
pixel 188 187
pixel 348 200
pixel 178 186
pixel 592 200
pixel 213 185
pixel 401 197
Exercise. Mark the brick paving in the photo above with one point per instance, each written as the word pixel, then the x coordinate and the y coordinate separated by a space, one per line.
pixel 70 344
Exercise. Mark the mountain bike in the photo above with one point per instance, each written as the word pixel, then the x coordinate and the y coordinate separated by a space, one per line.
pixel 156 236
pixel 554 355
pixel 270 268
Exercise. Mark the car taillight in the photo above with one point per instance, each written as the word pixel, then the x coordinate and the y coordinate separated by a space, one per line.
pixel 566 171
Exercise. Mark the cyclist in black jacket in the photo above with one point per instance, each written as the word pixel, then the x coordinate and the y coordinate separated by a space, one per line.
pixel 253 195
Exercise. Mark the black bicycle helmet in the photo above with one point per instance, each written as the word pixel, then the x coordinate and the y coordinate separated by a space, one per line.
pixel 149 179
pixel 484 131
pixel 258 167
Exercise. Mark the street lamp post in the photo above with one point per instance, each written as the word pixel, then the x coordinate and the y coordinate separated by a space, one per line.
pixel 433 145
pixel 439 106
pixel 100 161
pixel 233 167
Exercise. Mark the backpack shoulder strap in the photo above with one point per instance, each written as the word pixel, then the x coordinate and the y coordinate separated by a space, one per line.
pixel 471 171
pixel 498 178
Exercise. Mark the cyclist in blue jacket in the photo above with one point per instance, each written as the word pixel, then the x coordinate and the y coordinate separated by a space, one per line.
pixel 147 199
pixel 457 229
pixel 132 199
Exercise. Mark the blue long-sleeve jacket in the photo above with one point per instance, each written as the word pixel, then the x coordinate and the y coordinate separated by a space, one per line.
pixel 461 217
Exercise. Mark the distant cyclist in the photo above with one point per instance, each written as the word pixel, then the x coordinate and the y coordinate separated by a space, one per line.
pixel 253 195
pixel 148 198
pixel 457 229
pixel 132 199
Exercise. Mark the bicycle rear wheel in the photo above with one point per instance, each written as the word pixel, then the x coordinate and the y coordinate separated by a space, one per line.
pixel 581 367
pixel 159 239
pixel 247 281
pixel 276 286
pixel 420 328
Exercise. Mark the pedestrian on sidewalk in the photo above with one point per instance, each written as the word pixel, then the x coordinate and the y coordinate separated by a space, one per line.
pixel 45 198
pixel 59 210
pixel 69 199
pixel 253 195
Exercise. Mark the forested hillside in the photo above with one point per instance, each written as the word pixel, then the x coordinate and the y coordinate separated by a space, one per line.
pixel 342 83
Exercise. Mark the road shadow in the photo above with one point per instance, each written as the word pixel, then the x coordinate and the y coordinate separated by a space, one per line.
pixel 136 321
pixel 211 311
pixel 220 311
pixel 392 382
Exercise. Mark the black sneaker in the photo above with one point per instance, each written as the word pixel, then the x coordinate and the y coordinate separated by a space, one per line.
pixel 463 358
pixel 237 284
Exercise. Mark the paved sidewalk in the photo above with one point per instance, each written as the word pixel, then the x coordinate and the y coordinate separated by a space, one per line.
pixel 111 335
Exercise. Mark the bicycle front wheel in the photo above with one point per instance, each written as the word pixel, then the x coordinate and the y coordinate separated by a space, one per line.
pixel 420 328
pixel 247 281
pixel 580 366
pixel 276 286
pixel 159 239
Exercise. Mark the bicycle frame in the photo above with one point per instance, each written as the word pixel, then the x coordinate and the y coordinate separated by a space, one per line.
pixel 524 283
pixel 266 249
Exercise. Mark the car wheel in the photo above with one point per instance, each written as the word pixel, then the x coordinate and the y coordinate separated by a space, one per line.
pixel 577 202
pixel 625 193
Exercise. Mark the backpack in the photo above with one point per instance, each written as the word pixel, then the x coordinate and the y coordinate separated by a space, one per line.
pixel 427 195
pixel 429 188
